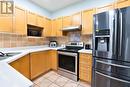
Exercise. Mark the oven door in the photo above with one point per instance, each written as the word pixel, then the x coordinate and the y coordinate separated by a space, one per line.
pixel 67 61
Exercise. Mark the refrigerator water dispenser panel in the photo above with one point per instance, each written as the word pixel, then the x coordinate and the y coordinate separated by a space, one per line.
pixel 102 43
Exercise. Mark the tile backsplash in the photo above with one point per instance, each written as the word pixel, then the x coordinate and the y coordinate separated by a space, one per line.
pixel 72 37
pixel 9 40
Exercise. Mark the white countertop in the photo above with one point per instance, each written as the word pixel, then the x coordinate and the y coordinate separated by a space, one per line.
pixel 9 77
pixel 85 51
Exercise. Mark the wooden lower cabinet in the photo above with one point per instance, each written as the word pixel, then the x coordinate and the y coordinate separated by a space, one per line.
pixel 22 65
pixel 54 59
pixel 85 67
pixel 39 63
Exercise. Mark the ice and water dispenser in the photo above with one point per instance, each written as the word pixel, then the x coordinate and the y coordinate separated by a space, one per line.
pixel 102 37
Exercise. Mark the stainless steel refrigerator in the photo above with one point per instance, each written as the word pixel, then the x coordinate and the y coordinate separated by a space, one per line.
pixel 111 49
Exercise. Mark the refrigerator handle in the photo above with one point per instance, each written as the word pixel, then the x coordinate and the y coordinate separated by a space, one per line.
pixel 115 36
pixel 121 32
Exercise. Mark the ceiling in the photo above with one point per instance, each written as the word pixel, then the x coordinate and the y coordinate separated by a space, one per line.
pixel 54 5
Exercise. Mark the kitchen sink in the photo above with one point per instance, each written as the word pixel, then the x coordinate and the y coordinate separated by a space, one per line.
pixel 7 55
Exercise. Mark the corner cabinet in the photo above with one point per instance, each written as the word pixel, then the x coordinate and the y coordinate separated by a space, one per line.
pixel 85 67
pixel 39 63
pixel 22 65
pixel 20 25
pixel 87 21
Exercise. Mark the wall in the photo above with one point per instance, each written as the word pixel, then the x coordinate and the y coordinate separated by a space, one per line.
pixel 33 7
pixel 87 4
pixel 14 40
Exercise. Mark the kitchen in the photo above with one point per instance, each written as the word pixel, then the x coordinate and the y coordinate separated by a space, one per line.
pixel 72 44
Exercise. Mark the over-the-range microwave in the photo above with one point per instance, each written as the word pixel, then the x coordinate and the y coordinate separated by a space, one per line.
pixel 34 30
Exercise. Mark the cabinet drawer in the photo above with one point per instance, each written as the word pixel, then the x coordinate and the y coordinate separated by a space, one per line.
pixel 85 60
pixel 85 74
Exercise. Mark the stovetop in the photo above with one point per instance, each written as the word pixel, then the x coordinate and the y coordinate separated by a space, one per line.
pixel 73 47
pixel 69 50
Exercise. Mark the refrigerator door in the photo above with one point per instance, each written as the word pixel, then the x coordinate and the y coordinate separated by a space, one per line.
pixel 102 80
pixel 105 35
pixel 124 35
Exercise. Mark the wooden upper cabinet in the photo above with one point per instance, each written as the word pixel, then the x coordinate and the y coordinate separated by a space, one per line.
pixel 20 25
pixel 57 27
pixel 31 18
pixel 6 23
pixel 87 21
pixel 40 21
pixel 47 27
pixel 67 21
pixel 105 8
pixel 76 19
pixel 122 3
pixel 54 26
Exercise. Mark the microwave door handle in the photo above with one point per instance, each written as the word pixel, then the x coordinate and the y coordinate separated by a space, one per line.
pixel 121 32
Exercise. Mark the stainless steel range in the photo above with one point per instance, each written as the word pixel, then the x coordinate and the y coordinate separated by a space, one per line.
pixel 68 60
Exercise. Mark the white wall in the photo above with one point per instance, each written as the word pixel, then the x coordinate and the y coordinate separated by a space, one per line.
pixel 80 6
pixel 33 7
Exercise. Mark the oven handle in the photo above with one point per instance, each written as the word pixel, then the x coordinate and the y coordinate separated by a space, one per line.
pixel 67 53
pixel 117 79
pixel 112 64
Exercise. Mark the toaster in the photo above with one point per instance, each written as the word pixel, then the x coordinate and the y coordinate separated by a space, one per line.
pixel 53 44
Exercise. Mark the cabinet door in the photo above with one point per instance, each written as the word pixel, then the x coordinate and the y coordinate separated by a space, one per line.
pixel 59 27
pixel 122 3
pixel 37 64
pixel 40 21
pixel 54 27
pixel 22 65
pixel 54 60
pixel 67 21
pixel 47 27
pixel 85 67
pixel 31 18
pixel 6 23
pixel 87 21
pixel 20 25
pixel 105 8
pixel 76 19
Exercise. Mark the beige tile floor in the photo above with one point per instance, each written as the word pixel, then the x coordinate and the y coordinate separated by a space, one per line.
pixel 52 79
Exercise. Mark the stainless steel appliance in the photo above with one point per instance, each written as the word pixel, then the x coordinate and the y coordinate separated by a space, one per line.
pixel 53 44
pixel 34 30
pixel 68 60
pixel 111 47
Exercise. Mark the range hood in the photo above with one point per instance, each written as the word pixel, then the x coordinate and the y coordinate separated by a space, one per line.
pixel 72 28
